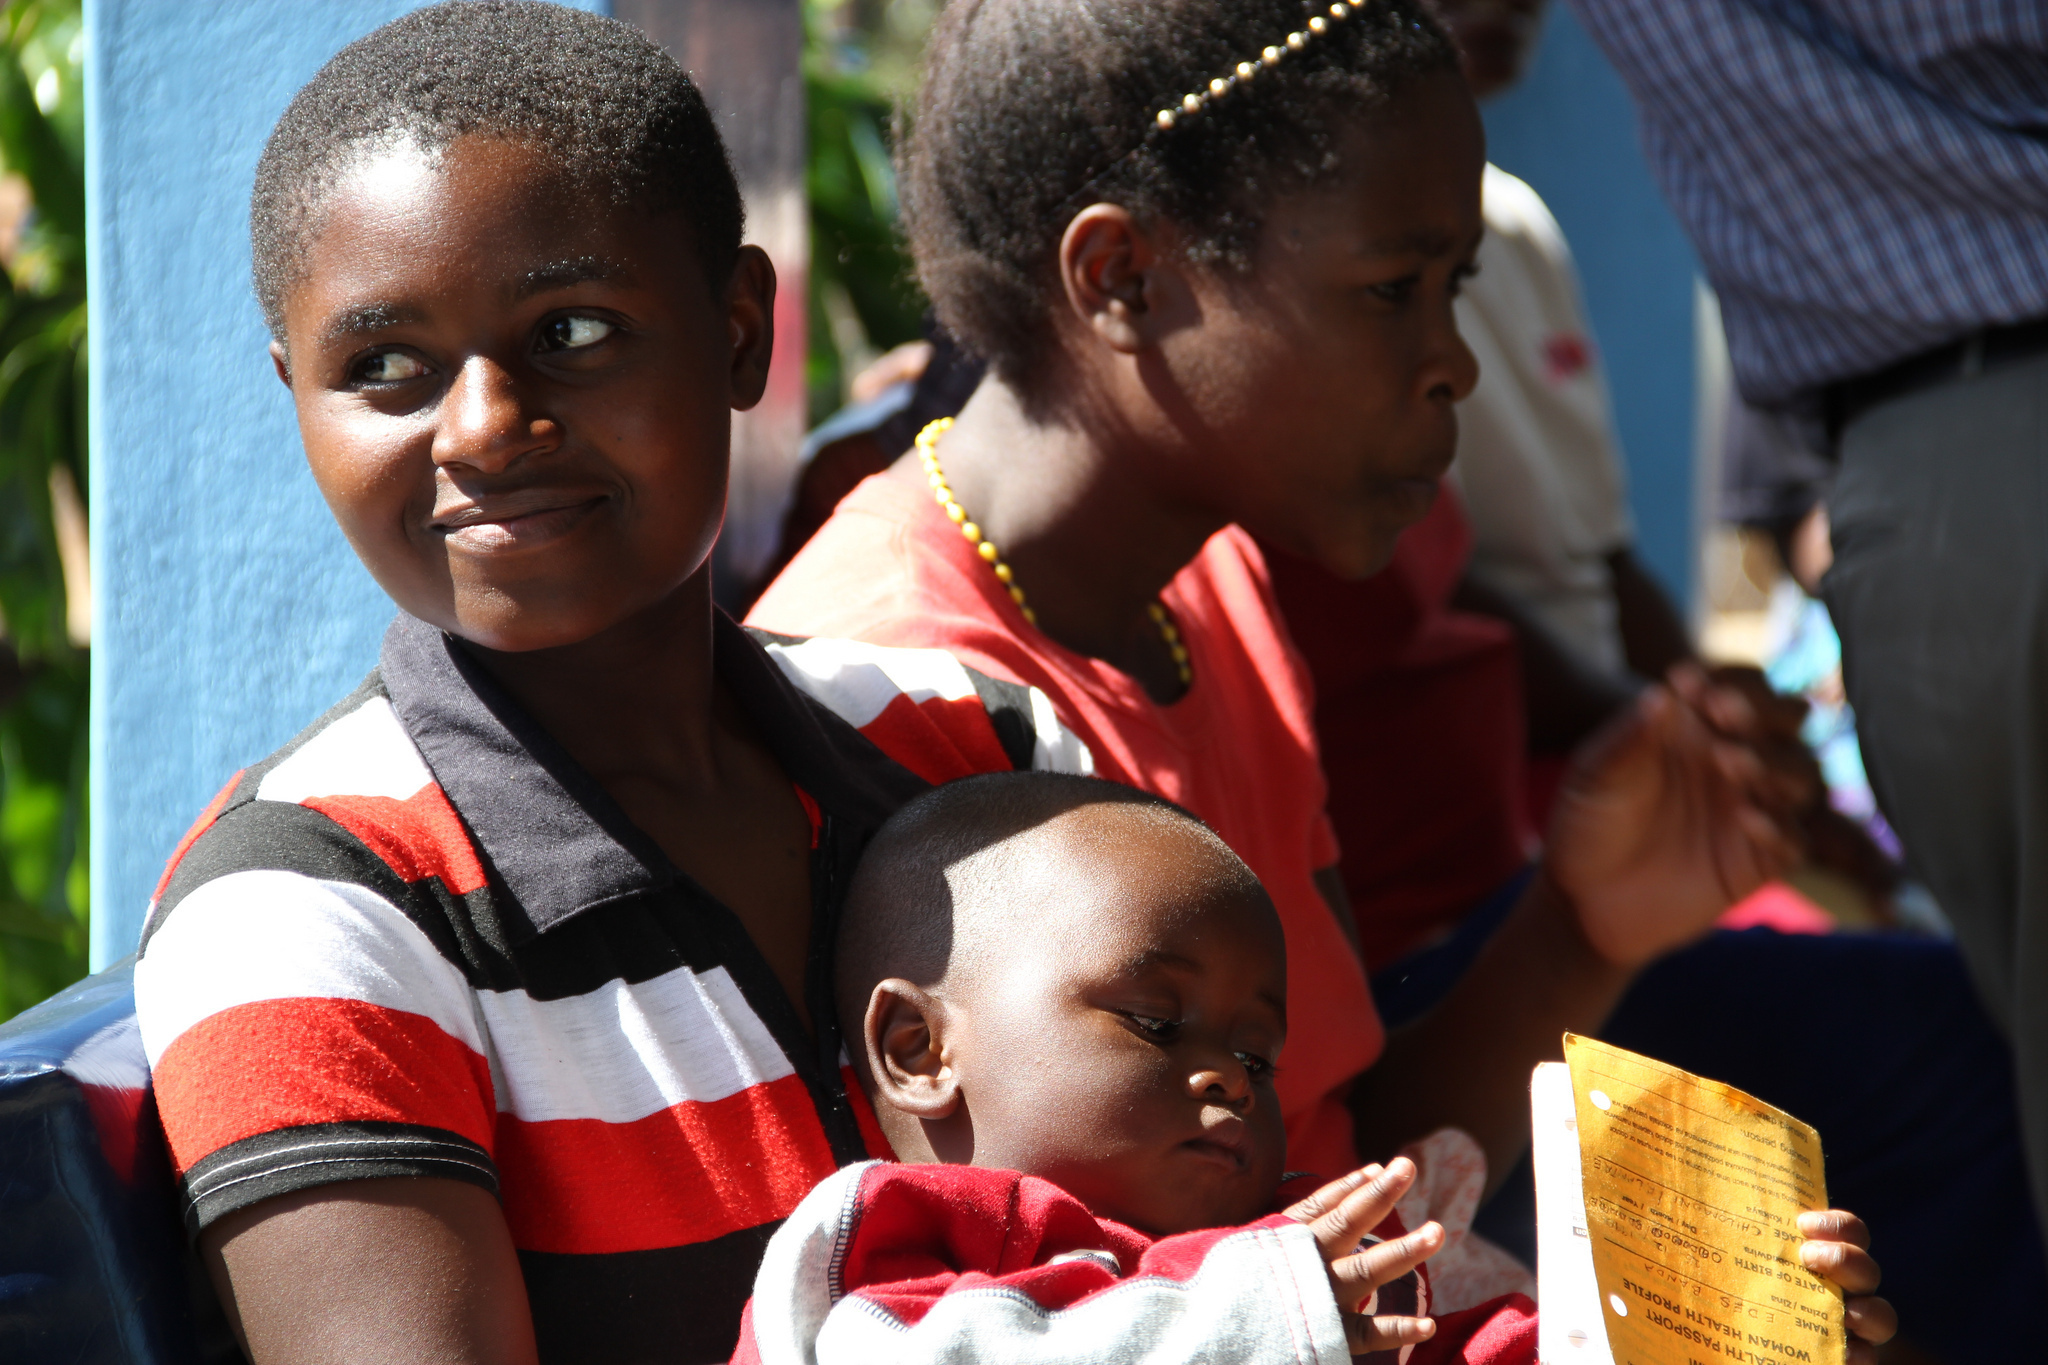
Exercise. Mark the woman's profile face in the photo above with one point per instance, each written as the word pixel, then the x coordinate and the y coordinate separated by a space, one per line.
pixel 1315 395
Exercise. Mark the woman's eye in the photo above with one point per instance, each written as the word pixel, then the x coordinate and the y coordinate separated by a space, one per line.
pixel 1161 1029
pixel 390 367
pixel 573 333
pixel 1395 291
pixel 1257 1067
pixel 1461 276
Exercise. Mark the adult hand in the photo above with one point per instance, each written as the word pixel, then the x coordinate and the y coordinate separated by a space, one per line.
pixel 1837 1248
pixel 1340 1214
pixel 1771 729
pixel 1668 817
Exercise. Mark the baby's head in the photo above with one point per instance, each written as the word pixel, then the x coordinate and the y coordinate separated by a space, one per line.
pixel 498 247
pixel 1076 980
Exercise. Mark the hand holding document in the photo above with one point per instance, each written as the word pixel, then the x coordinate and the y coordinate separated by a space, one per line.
pixel 1668 1219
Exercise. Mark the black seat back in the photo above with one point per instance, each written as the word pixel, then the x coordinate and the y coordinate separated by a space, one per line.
pixel 94 1268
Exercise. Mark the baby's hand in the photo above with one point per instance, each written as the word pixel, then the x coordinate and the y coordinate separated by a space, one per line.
pixel 1340 1214
pixel 1837 1248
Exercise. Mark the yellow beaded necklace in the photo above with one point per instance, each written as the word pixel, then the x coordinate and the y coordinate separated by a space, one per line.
pixel 928 452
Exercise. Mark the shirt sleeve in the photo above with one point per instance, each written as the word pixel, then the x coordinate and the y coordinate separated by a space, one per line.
pixel 928 711
pixel 928 1264
pixel 301 1029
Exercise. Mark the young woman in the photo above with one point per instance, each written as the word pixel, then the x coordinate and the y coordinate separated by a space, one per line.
pixel 1220 306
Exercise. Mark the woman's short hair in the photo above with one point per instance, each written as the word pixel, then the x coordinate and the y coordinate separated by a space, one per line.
pixel 617 113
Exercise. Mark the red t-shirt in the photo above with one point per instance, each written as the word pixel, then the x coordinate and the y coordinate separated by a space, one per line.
pixel 1419 712
pixel 1238 749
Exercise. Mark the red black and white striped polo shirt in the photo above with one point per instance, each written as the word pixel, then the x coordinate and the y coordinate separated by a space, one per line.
pixel 419 940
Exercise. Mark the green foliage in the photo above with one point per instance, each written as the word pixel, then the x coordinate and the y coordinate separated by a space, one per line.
pixel 858 63
pixel 43 677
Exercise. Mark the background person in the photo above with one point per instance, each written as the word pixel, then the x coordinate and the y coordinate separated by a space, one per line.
pixel 1867 186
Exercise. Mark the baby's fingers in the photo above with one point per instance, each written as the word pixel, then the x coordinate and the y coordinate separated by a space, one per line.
pixel 1340 1217
pixel 1331 1195
pixel 1356 1277
pixel 1385 1332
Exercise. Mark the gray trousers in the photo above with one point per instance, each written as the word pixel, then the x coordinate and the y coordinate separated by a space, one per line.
pixel 1940 592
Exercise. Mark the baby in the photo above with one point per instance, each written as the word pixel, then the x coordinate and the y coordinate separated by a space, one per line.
pixel 1073 995
pixel 1066 999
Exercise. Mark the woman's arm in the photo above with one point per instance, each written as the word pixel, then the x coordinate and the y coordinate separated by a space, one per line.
pixel 1466 1064
pixel 407 1271
pixel 1667 819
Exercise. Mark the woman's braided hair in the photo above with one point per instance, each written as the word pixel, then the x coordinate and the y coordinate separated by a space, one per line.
pixel 613 110
pixel 1033 109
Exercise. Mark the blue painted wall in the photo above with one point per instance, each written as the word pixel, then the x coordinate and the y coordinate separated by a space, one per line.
pixel 1570 131
pixel 228 611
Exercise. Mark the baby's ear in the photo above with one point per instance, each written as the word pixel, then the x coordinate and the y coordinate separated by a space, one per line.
pixel 905 1036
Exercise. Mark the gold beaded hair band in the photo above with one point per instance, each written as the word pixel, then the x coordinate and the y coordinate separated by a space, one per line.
pixel 1196 101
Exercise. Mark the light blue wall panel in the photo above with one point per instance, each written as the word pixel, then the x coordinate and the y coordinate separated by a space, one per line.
pixel 228 609
pixel 1570 131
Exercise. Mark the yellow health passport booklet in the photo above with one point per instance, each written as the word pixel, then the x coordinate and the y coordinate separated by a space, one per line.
pixel 1667 1231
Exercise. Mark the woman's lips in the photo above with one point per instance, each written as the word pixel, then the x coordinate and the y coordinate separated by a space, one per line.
pixel 514 522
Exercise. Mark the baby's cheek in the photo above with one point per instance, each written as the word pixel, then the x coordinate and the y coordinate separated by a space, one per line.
pixel 1269 1139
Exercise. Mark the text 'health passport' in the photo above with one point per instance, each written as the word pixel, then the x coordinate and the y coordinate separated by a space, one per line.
pixel 1667 1210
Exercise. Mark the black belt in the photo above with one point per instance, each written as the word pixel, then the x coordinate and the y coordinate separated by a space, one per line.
pixel 1977 353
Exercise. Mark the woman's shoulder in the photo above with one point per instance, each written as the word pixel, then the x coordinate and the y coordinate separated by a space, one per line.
pixel 348 799
pixel 304 863
pixel 882 572
pixel 856 575
pixel 1228 590
pixel 1232 617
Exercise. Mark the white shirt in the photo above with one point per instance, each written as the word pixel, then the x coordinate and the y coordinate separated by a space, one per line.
pixel 1538 463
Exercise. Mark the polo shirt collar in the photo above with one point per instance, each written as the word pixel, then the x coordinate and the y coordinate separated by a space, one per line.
pixel 551 836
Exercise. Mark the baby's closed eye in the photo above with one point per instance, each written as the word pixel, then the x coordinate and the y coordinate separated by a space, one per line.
pixel 1158 1029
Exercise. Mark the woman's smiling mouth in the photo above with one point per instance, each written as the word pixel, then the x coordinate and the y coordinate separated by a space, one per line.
pixel 513 521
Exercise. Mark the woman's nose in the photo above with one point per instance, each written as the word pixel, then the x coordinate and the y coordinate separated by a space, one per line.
pixel 485 421
pixel 1450 371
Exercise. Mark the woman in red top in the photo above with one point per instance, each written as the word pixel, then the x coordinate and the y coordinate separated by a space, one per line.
pixel 1209 250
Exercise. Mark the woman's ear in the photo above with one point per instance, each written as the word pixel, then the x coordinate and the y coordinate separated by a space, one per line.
pixel 750 325
pixel 1118 282
pixel 905 1036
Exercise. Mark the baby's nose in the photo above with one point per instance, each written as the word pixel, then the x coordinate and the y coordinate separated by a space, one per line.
pixel 1230 1084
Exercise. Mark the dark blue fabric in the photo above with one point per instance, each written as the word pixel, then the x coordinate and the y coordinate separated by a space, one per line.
pixel 94 1269
pixel 1408 990
pixel 1878 1041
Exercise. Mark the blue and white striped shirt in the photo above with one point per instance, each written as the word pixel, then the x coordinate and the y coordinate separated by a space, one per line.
pixel 1864 179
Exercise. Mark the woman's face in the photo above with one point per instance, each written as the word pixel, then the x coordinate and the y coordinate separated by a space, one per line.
pixel 1313 398
pixel 516 400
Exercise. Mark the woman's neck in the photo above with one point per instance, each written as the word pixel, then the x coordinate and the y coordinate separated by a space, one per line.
pixel 1085 531
pixel 635 699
